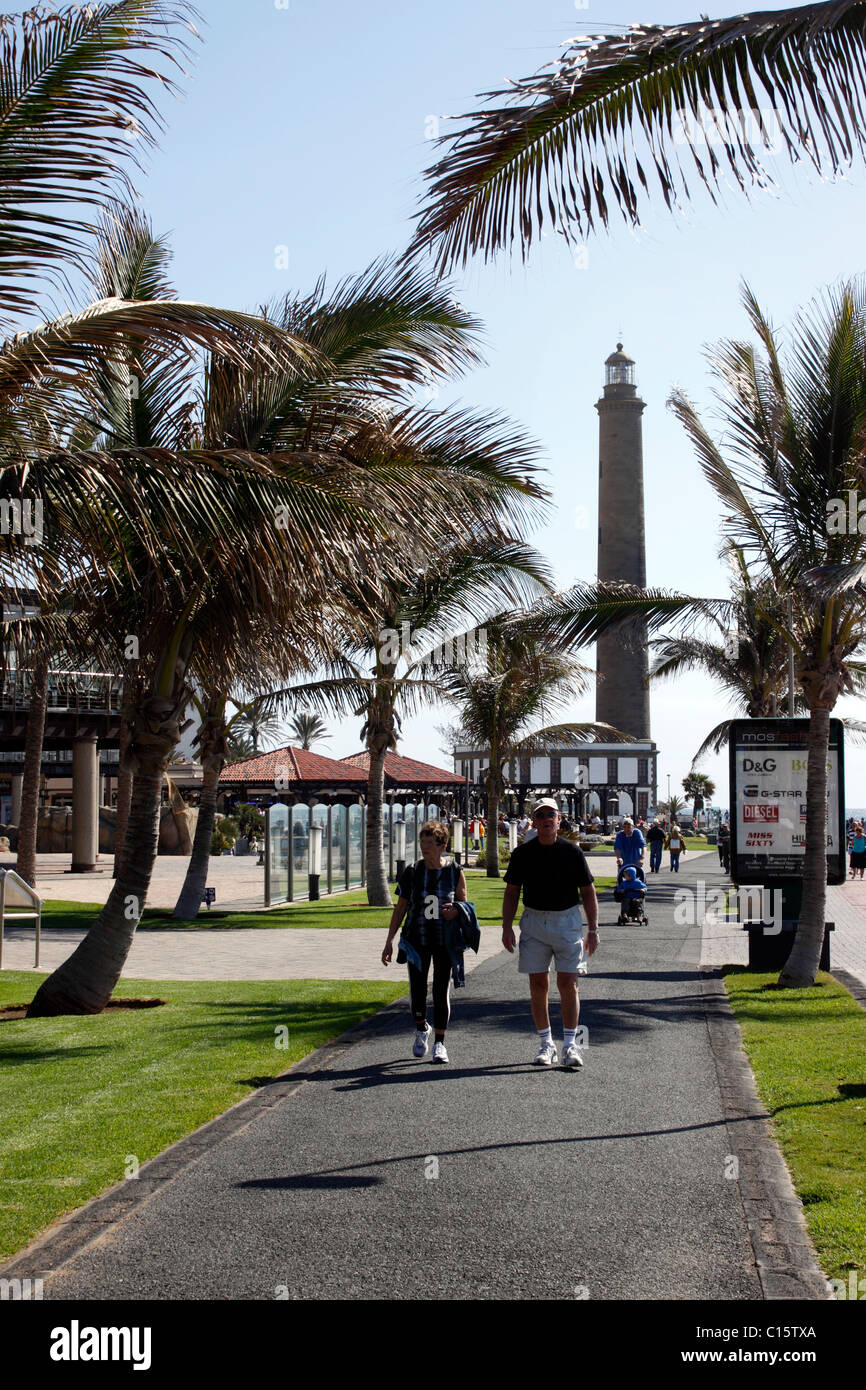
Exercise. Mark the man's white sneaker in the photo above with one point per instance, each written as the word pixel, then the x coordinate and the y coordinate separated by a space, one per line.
pixel 571 1058
pixel 546 1055
pixel 439 1053
pixel 422 1042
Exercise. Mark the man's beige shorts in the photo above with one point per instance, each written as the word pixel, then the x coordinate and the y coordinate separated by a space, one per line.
pixel 550 935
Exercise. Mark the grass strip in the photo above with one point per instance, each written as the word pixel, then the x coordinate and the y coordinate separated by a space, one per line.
pixel 81 1097
pixel 807 1049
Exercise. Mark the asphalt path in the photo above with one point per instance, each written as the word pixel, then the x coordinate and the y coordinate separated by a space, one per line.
pixel 377 1176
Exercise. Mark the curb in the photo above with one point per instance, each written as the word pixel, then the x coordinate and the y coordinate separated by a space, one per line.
pixel 785 1258
pixel 855 987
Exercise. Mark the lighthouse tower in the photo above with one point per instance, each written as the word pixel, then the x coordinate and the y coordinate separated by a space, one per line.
pixel 621 695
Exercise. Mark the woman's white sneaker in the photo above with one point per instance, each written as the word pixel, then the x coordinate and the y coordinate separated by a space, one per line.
pixel 422 1042
pixel 439 1053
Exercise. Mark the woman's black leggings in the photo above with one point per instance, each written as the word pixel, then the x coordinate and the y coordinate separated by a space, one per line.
pixel 441 980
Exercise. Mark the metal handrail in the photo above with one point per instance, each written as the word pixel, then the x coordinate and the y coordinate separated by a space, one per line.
pixel 5 875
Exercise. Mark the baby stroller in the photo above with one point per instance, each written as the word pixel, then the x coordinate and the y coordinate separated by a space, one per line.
pixel 630 893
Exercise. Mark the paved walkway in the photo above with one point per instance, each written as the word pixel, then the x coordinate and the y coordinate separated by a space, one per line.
pixel 255 954
pixel 239 880
pixel 725 943
pixel 259 953
pixel 364 1174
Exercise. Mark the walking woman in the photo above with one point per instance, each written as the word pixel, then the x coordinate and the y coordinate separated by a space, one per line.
pixel 428 891
pixel 858 849
pixel 677 846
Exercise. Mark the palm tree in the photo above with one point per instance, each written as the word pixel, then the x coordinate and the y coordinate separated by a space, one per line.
pixel 671 808
pixel 699 788
pixel 386 329
pixel 387 677
pixel 795 433
pixel 280 536
pixel 74 87
pixel 503 701
pixel 744 652
pixel 675 106
pixel 308 728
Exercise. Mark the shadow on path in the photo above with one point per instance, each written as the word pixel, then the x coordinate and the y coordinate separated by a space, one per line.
pixel 341 1177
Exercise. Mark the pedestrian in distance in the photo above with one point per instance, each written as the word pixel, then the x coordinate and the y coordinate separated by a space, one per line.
pixel 725 847
pixel 677 846
pixel 655 838
pixel 428 893
pixel 858 849
pixel 554 877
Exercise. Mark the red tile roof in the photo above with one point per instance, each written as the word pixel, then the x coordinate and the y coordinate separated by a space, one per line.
pixel 291 765
pixel 404 771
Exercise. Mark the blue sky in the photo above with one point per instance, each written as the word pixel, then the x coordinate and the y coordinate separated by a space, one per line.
pixel 304 127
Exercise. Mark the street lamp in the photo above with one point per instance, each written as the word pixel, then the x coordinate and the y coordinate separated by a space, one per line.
pixel 316 833
pixel 670 817
pixel 400 845
pixel 457 840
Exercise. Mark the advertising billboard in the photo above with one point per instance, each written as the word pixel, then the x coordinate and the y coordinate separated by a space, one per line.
pixel 768 764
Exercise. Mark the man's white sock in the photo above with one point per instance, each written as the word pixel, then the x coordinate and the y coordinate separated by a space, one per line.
pixel 568 1036
pixel 546 1035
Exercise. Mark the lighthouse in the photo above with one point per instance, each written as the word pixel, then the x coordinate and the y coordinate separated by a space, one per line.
pixel 621 693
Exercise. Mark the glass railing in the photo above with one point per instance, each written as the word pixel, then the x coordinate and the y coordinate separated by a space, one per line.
pixel 72 690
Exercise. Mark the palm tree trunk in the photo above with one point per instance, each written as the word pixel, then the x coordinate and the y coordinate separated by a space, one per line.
pixel 494 791
pixel 28 821
pixel 84 982
pixel 131 697
pixel 212 751
pixel 801 966
pixel 378 888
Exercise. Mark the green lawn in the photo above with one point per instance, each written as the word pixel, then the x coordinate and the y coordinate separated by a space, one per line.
pixel 78 1096
pixel 807 1048
pixel 345 911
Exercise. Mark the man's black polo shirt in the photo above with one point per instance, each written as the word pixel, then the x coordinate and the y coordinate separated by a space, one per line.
pixel 551 876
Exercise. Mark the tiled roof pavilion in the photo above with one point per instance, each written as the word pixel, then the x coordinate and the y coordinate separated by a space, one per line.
pixel 292 766
pixel 408 772
pixel 299 772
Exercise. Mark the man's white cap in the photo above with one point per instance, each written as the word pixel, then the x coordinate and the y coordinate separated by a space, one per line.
pixel 545 802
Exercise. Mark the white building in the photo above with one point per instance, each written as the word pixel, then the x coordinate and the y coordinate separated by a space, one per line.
pixel 609 779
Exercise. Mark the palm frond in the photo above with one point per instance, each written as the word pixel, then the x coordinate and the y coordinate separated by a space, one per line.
pixel 65 348
pixel 715 741
pixel 568 734
pixel 594 129
pixel 75 112
pixel 579 614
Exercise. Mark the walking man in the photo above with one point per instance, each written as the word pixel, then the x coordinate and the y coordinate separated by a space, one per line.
pixel 655 838
pixel 554 877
